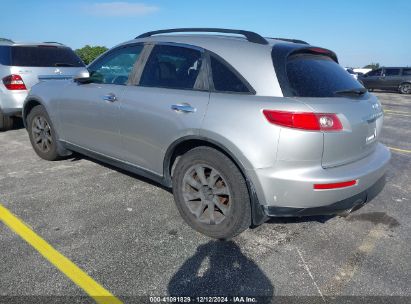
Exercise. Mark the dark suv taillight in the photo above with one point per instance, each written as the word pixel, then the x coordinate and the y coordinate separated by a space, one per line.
pixel 14 82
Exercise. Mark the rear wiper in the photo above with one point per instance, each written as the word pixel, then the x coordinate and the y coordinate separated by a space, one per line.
pixel 354 92
pixel 63 64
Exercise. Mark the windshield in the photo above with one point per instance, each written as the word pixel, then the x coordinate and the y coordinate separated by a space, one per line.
pixel 318 76
pixel 44 56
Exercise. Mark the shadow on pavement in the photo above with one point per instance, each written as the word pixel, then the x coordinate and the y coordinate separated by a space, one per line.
pixel 219 268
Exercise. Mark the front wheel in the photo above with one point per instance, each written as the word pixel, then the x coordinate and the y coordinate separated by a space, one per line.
pixel 211 194
pixel 42 134
pixel 405 88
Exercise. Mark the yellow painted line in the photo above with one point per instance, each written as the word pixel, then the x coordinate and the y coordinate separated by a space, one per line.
pixel 74 273
pixel 398 112
pixel 400 150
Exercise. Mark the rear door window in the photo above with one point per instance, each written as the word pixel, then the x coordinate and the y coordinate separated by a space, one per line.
pixel 225 79
pixel 318 76
pixel 377 72
pixel 44 56
pixel 406 72
pixel 392 72
pixel 172 67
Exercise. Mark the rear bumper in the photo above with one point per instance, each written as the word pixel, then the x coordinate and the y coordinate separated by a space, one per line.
pixel 343 206
pixel 11 102
pixel 290 184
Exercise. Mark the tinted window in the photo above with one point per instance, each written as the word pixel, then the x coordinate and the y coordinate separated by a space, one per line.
pixel 5 55
pixel 225 80
pixel 172 67
pixel 406 72
pixel 318 76
pixel 44 56
pixel 374 72
pixel 116 66
pixel 392 72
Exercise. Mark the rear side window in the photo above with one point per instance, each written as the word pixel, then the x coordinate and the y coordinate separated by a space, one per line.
pixel 5 55
pixel 224 79
pixel 44 56
pixel 392 72
pixel 406 72
pixel 317 76
pixel 172 67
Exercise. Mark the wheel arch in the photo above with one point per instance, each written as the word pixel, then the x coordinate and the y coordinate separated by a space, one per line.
pixel 29 104
pixel 184 144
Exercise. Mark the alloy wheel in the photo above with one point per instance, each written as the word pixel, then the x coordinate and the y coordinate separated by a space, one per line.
pixel 41 132
pixel 405 88
pixel 206 194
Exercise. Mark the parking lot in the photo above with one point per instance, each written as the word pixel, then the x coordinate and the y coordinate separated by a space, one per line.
pixel 125 232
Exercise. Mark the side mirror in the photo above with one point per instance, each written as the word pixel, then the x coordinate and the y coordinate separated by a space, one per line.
pixel 82 77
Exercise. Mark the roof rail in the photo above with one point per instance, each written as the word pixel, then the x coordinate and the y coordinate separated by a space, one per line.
pixel 6 40
pixel 250 36
pixel 53 42
pixel 291 40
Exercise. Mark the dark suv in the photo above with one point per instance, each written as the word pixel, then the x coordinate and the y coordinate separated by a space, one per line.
pixel 388 79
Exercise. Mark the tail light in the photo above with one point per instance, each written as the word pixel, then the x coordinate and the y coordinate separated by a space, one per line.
pixel 14 82
pixel 304 120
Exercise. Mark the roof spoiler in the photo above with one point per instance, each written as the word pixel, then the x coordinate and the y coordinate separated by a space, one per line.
pixel 250 36
pixel 315 51
pixel 292 40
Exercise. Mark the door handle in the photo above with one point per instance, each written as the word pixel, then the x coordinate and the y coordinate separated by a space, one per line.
pixel 110 97
pixel 184 107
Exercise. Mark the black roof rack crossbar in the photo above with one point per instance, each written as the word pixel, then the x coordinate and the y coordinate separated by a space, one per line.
pixel 251 36
pixel 292 40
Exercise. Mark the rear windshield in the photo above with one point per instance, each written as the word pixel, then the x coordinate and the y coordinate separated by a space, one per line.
pixel 44 56
pixel 318 76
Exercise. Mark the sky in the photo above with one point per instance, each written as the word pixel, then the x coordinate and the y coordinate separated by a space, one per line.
pixel 359 31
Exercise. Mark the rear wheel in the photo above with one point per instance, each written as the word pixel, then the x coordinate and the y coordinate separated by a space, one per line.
pixel 6 122
pixel 41 133
pixel 211 193
pixel 405 88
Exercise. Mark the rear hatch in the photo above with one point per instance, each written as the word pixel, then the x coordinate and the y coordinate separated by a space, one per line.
pixel 44 62
pixel 314 77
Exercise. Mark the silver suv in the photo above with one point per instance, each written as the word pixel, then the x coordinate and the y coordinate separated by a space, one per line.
pixel 241 128
pixel 23 64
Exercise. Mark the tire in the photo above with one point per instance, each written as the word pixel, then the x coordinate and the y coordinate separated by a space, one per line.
pixel 42 135
pixel 6 122
pixel 405 88
pixel 228 195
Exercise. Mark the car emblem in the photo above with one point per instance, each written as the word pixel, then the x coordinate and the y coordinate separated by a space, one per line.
pixel 57 71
